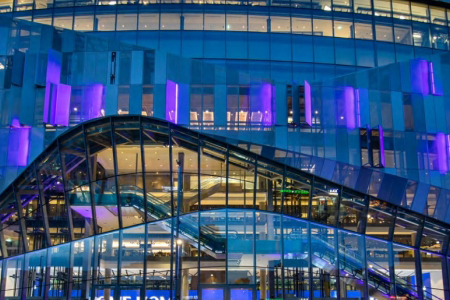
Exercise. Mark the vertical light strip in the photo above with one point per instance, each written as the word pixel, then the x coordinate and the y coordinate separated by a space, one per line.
pixel 172 94
pixel 308 115
pixel 441 152
pixel 380 136
pixel 349 102
pixel 358 112
pixel 176 103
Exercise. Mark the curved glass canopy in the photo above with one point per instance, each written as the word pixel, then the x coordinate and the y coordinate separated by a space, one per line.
pixel 132 206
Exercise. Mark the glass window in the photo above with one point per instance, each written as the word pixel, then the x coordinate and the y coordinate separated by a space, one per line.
pixel 437 15
pixel 342 5
pixel 301 3
pixel 301 25
pixel 432 275
pixel 439 37
pixel 421 34
pixel 60 269
pixel 324 202
pixel 21 5
pixel 82 267
pixel 434 237
pixel 401 9
pixel 363 29
pixel 324 270
pixel 382 8
pixel 363 7
pixel 42 4
pixel 240 241
pixel 51 184
pixel 405 270
pixel 14 270
pixel 407 225
pixel 322 4
pixel 157 171
pixel 106 22
pixel 384 31
pixel 63 3
pixel 242 176
pixel 380 219
pixel 403 33
pixel 98 140
pixel 215 22
pixel 126 21
pixel 187 248
pixel 419 12
pixel 378 267
pixel 352 212
pixel 213 240
pixel 185 172
pixel 83 21
pixel 170 22
pixel 280 24
pixel 10 225
pixel 158 257
pixel 26 189
pixel 43 17
pixel 236 22
pixel 352 264
pixel 37 268
pixel 133 255
pixel 63 18
pixel 148 21
pixel 7 6
pixel 106 255
pixel 296 257
pixel 343 28
pixel 296 192
pixel 269 234
pixel 129 168
pixel 193 21
pixel 322 26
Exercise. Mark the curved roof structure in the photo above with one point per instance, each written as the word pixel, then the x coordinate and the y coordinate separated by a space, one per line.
pixel 104 179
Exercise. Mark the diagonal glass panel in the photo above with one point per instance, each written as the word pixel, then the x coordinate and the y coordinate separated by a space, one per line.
pixel 51 184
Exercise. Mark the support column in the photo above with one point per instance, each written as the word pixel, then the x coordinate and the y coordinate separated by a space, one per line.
pixel 262 284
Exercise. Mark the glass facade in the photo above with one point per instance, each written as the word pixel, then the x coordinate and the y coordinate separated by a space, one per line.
pixel 132 206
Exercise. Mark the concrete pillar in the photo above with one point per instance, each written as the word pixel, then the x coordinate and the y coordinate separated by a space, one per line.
pixel 262 284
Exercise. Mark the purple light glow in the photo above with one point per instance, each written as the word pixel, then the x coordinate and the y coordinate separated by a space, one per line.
pixel 358 111
pixel 57 95
pixel 93 101
pixel 308 115
pixel 419 76
pixel 18 145
pixel 441 153
pixel 380 135
pixel 172 101
pixel 266 101
pixel 62 107
pixel 349 98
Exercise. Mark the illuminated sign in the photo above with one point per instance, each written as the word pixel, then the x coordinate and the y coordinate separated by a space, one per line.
pixel 301 192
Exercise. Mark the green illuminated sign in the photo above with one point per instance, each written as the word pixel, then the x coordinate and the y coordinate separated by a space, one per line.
pixel 302 192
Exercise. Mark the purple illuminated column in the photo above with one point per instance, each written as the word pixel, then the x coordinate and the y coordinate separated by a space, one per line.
pixel 18 144
pixel 419 76
pixel 308 116
pixel 57 95
pixel 172 101
pixel 349 100
pixel 266 101
pixel 440 149
pixel 358 112
pixel 381 139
